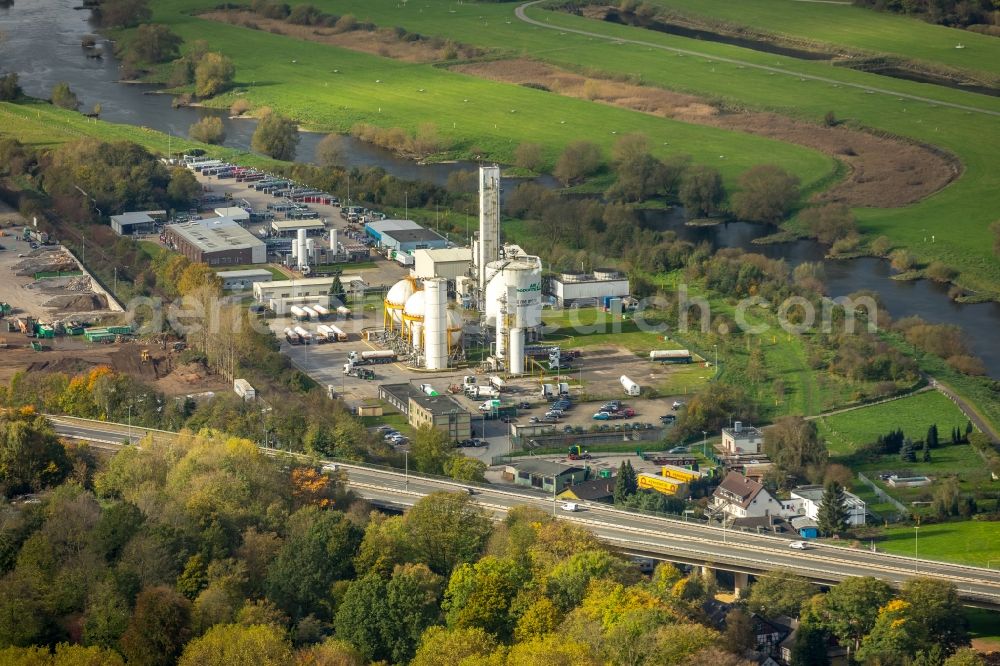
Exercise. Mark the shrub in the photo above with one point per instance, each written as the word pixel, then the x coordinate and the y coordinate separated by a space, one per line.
pixel 579 160
pixel 65 98
pixel 213 75
pixel 767 193
pixel 208 130
pixel 528 156
pixel 239 107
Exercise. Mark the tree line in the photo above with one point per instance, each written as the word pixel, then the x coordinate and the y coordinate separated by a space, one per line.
pixel 205 551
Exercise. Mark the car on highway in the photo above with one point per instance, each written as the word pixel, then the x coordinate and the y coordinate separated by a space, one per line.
pixel 799 545
pixel 570 506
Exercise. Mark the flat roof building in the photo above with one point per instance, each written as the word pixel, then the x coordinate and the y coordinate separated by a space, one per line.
pixel 441 412
pixel 218 241
pixel 570 288
pixel 544 475
pixel 376 228
pixel 136 222
pixel 291 227
pixel 241 280
pixel 235 213
pixel 306 287
pixel 410 240
pixel 742 439
pixel 448 263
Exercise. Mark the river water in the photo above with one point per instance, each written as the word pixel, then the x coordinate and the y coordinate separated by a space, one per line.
pixel 42 44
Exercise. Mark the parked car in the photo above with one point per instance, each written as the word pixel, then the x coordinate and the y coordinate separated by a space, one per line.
pixel 613 405
pixel 668 418
pixel 601 416
pixel 550 419
pixel 678 449
pixel 627 412
pixel 465 443
pixel 554 412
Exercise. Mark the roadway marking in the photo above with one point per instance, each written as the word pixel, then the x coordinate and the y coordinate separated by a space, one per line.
pixel 519 12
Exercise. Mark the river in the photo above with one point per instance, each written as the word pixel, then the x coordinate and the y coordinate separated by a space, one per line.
pixel 42 44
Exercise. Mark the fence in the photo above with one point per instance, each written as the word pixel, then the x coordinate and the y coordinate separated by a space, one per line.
pixel 882 495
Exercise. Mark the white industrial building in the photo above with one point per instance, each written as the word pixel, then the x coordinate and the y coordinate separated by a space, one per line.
pixel 234 213
pixel 304 288
pixel 240 280
pixel 448 263
pixel 578 288
pixel 742 439
pixel 136 222
pixel 217 241
pixel 291 227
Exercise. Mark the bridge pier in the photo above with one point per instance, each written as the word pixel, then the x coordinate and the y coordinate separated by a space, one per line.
pixel 741 581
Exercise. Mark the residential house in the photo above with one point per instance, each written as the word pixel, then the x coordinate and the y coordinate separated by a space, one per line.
pixel 740 497
pixel 806 500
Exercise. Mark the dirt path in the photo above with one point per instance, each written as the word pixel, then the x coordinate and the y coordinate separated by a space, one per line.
pixel 883 172
pixel 981 424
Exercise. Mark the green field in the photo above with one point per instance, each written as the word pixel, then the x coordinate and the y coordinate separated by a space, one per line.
pixel 969 542
pixel 856 27
pixel 957 217
pixel 332 89
pixel 847 431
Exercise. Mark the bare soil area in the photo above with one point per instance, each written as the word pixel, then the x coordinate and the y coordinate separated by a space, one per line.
pixel 884 172
pixel 384 42
pixel 73 356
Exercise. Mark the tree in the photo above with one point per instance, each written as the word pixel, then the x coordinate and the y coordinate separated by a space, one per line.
pixel 412 599
pixel 676 642
pixel 932 439
pixel 453 647
pixel 925 452
pixel 935 611
pixel 738 636
pixel 465 469
pixel 276 136
pixel 155 43
pixel 779 593
pixel 767 194
pixel 831 222
pixel 907 452
pixel 331 652
pixel 793 444
pixel 528 156
pixel 446 529
pixel 226 644
pixel 965 657
pixel 480 595
pixel 31 457
pixel 833 514
pixel 329 151
pixel 430 449
pixel 891 640
pixel 337 290
pixel 579 160
pixel 208 130
pixel 701 191
pixel 851 607
pixel 567 583
pixel 360 616
pixel 183 189
pixel 213 74
pixel 10 89
pixel 158 629
pixel 626 483
pixel 810 646
pixel 122 13
pixel 65 98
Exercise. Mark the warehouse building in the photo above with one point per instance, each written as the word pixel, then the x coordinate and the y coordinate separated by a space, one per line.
pixel 588 288
pixel 448 263
pixel 411 240
pixel 304 288
pixel 235 213
pixel 218 241
pixel 291 227
pixel 243 280
pixel 136 222
pixel 376 228
pixel 439 411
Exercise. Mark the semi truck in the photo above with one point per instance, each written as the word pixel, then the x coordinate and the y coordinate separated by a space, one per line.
pixel 372 357
pixel 304 335
pixel 344 311
pixel 321 312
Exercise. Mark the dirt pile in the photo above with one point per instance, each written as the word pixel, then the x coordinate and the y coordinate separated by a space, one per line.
pixel 45 260
pixel 78 303
pixel 884 171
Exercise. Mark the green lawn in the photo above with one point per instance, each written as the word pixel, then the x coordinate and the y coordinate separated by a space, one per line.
pixel 984 627
pixel 275 273
pixel 846 25
pixel 968 542
pixel 847 431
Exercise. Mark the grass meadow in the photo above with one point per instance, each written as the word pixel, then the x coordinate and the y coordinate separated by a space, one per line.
pixel 969 542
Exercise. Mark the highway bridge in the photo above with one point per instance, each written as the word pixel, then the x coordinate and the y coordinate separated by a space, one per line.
pixel 674 540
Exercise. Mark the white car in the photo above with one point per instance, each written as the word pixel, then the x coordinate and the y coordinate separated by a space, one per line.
pixel 799 545
pixel 570 506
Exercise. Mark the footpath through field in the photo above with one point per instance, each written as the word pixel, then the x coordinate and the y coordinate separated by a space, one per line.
pixel 519 12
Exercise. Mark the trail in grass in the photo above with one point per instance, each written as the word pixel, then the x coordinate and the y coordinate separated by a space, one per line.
pixel 519 12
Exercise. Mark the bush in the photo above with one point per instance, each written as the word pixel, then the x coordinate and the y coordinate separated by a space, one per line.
pixel 902 260
pixel 967 365
pixel 830 223
pixel 239 107
pixel 579 160
pixel 528 156
pixel 701 191
pixel 767 193
pixel 940 272
pixel 10 89
pixel 154 43
pixel 208 130
pixel 65 98
pixel 881 246
pixel 213 75
pixel 276 136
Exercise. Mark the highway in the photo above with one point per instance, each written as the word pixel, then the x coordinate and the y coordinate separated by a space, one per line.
pixel 648 536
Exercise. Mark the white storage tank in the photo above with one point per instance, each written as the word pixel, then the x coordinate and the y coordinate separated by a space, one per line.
pixel 395 302
pixel 631 388
pixel 525 277
pixel 435 324
pixel 516 364
pixel 333 241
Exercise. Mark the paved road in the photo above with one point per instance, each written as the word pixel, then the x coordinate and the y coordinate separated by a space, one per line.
pixel 967 409
pixel 519 12
pixel 667 538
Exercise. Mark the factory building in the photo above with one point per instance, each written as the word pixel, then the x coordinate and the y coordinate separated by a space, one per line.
pixel 587 288
pixel 448 263
pixel 404 236
pixel 235 213
pixel 242 280
pixel 136 222
pixel 376 228
pixel 304 288
pixel 291 227
pixel 440 411
pixel 218 241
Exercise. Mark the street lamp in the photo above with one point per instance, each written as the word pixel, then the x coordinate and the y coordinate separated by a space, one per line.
pixel 916 549
pixel 406 469
pixel 704 442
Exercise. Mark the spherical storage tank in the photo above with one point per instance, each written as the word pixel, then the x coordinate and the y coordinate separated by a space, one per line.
pixel 413 320
pixel 525 276
pixel 395 301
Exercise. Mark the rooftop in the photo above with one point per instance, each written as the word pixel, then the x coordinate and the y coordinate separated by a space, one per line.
pixel 216 234
pixel 738 489
pixel 286 225
pixel 595 489
pixel 815 494
pixel 310 282
pixel 447 254
pixel 249 273
pixel 413 235
pixel 134 217
pixel 381 226
pixel 743 431
pixel 437 404
pixel 544 468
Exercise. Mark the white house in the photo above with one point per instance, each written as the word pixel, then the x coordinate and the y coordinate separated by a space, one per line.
pixel 741 439
pixel 805 501
pixel 740 497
